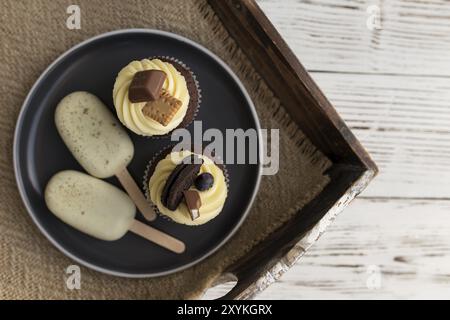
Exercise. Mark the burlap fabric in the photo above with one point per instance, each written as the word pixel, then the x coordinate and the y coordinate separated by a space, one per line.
pixel 33 34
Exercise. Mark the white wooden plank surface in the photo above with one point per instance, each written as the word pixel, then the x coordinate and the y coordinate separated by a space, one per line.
pixel 404 122
pixel 407 241
pixel 331 35
pixel 392 88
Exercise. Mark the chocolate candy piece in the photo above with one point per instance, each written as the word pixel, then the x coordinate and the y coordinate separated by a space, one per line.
pixel 183 182
pixel 204 181
pixel 169 182
pixel 175 179
pixel 162 109
pixel 146 86
pixel 193 202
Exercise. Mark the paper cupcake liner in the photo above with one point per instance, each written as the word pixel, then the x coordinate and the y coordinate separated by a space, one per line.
pixel 148 175
pixel 199 94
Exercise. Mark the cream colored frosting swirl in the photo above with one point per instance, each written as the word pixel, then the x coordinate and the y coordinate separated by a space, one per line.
pixel 131 115
pixel 212 199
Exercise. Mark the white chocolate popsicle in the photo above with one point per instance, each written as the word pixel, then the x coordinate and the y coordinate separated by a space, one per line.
pixel 98 142
pixel 99 209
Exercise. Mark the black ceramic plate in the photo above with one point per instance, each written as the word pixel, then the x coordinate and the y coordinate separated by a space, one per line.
pixel 39 152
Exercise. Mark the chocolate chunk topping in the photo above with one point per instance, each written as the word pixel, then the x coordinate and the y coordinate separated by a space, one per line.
pixel 146 86
pixel 183 182
pixel 172 177
pixel 180 180
pixel 193 202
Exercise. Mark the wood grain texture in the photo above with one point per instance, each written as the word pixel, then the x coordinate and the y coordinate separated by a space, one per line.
pixel 411 252
pixel 404 122
pixel 331 35
pixel 391 88
pixel 407 240
pixel 400 111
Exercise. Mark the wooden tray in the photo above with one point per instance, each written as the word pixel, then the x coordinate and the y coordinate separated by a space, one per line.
pixel 352 167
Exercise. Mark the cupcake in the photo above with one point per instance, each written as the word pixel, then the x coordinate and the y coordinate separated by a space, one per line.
pixel 186 187
pixel 152 97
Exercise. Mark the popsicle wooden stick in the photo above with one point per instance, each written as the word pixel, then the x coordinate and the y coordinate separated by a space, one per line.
pixel 136 194
pixel 158 237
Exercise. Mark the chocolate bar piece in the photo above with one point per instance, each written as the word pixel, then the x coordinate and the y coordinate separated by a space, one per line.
pixel 182 182
pixel 163 109
pixel 193 203
pixel 146 86
pixel 192 159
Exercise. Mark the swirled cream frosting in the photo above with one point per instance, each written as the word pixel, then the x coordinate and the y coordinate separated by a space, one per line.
pixel 131 115
pixel 212 199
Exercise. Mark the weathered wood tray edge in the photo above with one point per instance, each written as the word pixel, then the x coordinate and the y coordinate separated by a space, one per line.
pixel 352 169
